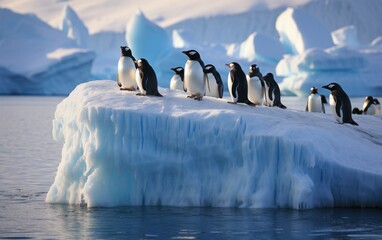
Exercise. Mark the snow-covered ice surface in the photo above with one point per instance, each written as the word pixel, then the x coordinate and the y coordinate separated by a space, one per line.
pixel 123 149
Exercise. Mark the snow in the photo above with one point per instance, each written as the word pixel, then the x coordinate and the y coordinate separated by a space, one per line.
pixel 300 31
pixel 123 149
pixel 38 59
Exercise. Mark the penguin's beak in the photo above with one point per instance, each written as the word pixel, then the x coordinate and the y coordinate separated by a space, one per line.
pixel 326 87
pixel 228 64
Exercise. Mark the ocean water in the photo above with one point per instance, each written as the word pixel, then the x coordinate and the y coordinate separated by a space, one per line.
pixel 29 158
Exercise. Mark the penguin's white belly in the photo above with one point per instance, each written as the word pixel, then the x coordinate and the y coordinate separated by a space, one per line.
pixel 126 72
pixel 255 90
pixel 314 103
pixel 139 82
pixel 372 110
pixel 333 109
pixel 211 88
pixel 230 83
pixel 194 78
pixel 176 83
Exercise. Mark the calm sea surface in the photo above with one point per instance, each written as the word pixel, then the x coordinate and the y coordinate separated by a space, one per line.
pixel 28 161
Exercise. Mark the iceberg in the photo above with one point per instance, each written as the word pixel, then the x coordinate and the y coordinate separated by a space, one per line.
pixel 300 31
pixel 346 36
pixel 355 70
pixel 261 47
pixel 73 27
pixel 122 149
pixel 38 59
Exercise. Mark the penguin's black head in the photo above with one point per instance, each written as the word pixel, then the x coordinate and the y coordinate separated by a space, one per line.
pixel 369 98
pixel 268 77
pixel 177 70
pixel 254 68
pixel 209 68
pixel 313 90
pixel 332 86
pixel 142 63
pixel 233 65
pixel 375 101
pixel 126 51
pixel 192 54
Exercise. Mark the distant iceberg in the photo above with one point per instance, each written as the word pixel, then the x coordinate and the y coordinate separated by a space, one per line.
pixel 300 31
pixel 122 149
pixel 73 27
pixel 38 59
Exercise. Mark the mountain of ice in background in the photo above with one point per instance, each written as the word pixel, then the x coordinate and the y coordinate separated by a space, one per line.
pixel 74 28
pixel 122 149
pixel 38 59
pixel 300 31
pixel 245 33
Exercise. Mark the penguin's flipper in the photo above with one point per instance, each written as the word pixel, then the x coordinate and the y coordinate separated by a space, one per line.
pixel 306 107
pixel 234 87
pixel 144 80
pixel 270 95
pixel 118 82
pixel 338 105
pixel 323 107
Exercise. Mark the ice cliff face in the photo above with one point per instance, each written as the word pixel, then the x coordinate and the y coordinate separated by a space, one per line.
pixel 122 149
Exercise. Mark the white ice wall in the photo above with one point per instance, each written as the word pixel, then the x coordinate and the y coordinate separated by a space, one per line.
pixel 122 149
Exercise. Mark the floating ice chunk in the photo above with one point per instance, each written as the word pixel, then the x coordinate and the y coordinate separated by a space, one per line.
pixel 122 149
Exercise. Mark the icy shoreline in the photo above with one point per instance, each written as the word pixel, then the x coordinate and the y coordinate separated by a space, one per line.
pixel 122 149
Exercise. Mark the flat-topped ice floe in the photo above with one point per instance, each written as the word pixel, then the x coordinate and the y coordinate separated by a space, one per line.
pixel 123 149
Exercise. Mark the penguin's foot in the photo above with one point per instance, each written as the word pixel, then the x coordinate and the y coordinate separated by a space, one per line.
pixel 232 102
pixel 199 98
pixel 141 94
pixel 191 96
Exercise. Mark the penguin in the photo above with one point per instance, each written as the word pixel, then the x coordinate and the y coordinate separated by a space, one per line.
pixel 176 82
pixel 256 86
pixel 314 103
pixel 146 79
pixel 194 75
pixel 340 104
pixel 214 87
pixel 237 84
pixel 368 107
pixel 126 70
pixel 273 93
pixel 377 105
